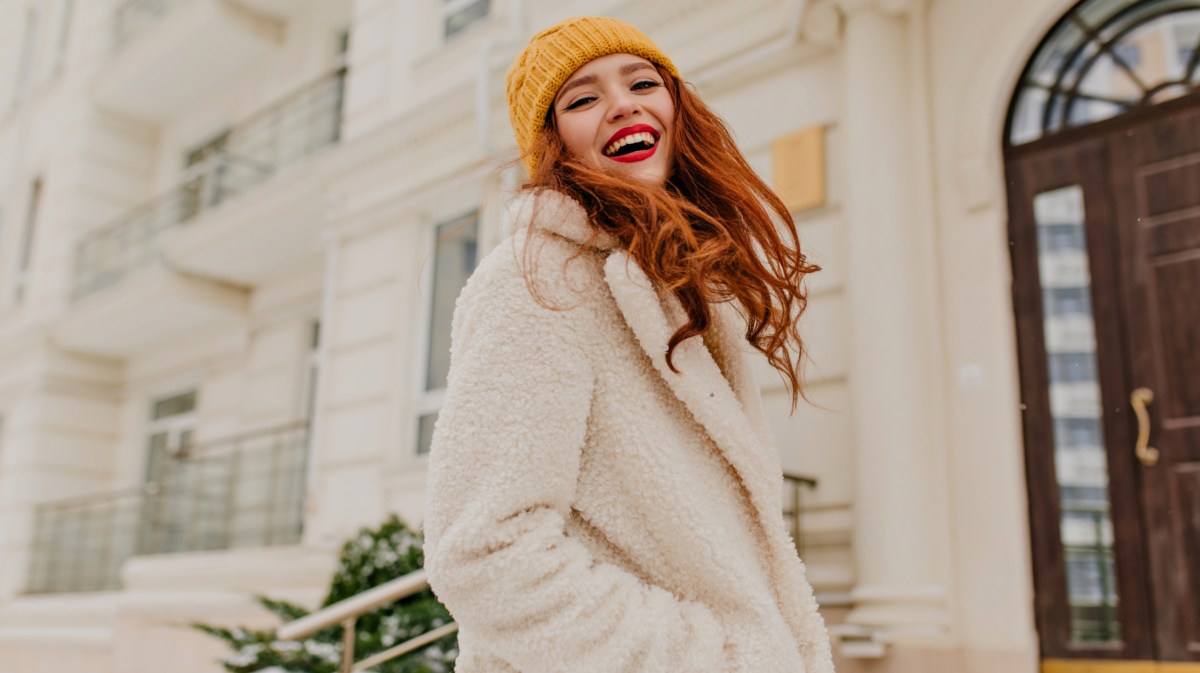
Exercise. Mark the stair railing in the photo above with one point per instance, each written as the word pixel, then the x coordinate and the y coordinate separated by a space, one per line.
pixel 347 612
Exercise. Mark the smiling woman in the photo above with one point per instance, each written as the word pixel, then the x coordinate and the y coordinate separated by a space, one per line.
pixel 616 109
pixel 604 493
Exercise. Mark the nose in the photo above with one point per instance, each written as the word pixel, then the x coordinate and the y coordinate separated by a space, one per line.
pixel 622 105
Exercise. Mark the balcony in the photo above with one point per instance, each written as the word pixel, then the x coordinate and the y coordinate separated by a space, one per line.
pixel 274 140
pixel 186 48
pixel 190 278
pixel 245 491
pixel 279 227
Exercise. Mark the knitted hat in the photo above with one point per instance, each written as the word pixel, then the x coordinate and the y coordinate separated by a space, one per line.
pixel 553 55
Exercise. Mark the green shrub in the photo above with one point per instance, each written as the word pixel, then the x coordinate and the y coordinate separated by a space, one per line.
pixel 371 558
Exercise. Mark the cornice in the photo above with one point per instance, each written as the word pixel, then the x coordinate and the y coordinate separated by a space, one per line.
pixel 824 20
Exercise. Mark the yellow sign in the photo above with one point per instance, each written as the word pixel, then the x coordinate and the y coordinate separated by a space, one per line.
pixel 799 168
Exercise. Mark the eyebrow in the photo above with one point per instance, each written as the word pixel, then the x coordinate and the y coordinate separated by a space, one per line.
pixel 592 79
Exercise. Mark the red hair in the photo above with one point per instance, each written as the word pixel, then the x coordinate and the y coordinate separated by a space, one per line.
pixel 708 235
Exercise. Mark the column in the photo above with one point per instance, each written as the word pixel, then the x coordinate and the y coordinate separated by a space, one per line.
pixel 901 522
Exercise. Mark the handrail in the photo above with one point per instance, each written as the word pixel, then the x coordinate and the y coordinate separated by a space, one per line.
pixel 188 176
pixel 190 450
pixel 801 479
pixel 148 488
pixel 406 647
pixel 346 613
pixel 332 615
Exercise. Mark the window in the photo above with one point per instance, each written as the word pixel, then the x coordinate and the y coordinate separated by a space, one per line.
pixel 25 252
pixel 312 366
pixel 454 260
pixel 1106 58
pixel 1081 468
pixel 458 15
pixel 168 514
pixel 172 422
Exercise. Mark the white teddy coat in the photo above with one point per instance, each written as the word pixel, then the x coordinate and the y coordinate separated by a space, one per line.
pixel 589 510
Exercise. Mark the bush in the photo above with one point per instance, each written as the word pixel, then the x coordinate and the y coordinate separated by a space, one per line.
pixel 370 559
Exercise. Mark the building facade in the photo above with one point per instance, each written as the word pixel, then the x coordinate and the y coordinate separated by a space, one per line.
pixel 232 233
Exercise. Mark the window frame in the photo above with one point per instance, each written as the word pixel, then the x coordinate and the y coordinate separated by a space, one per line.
pixel 23 264
pixel 174 425
pixel 449 8
pixel 428 400
pixel 1106 34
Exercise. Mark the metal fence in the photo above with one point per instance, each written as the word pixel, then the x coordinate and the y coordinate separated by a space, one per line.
pixel 276 138
pixel 794 484
pixel 244 491
pixel 133 17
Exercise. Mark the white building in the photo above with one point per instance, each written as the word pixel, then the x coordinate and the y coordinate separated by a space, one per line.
pixel 224 309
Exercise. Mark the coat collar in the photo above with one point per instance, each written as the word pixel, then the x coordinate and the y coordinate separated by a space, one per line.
pixel 727 408
pixel 557 213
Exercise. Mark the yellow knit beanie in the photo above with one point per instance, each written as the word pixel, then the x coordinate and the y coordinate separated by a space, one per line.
pixel 553 55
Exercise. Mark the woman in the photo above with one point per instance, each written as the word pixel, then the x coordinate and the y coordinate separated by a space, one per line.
pixel 604 494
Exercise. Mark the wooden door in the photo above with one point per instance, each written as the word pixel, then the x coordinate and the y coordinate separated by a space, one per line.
pixel 1105 236
pixel 1156 168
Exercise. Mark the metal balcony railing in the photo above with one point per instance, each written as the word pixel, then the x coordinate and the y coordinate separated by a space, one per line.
pixel 793 485
pixel 261 146
pixel 244 491
pixel 133 17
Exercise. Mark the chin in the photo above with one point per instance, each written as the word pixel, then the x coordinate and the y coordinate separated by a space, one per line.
pixel 651 175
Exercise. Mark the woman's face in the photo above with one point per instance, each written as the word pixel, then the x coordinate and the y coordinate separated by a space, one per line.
pixel 615 113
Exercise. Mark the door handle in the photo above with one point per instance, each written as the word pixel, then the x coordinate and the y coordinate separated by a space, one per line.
pixel 1139 398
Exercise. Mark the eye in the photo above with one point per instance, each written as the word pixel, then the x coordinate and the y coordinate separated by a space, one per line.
pixel 644 84
pixel 578 102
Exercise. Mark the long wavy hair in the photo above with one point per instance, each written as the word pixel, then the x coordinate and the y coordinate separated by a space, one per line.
pixel 714 232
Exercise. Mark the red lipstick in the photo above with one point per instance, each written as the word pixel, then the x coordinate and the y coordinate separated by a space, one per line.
pixel 639 155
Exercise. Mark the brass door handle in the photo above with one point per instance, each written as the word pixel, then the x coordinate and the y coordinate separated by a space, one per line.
pixel 1139 398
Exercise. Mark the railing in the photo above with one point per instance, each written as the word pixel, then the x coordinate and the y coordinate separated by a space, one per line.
pixel 133 17
pixel 347 613
pixel 261 146
pixel 244 491
pixel 795 483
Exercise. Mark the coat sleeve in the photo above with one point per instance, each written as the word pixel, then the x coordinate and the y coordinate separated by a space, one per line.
pixel 502 476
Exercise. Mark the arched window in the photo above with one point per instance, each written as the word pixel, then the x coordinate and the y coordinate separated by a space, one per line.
pixel 1105 58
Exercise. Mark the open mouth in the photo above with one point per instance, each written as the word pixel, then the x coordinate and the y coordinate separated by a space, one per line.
pixel 634 143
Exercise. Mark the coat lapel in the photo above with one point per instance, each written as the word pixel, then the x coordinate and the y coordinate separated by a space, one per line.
pixel 724 411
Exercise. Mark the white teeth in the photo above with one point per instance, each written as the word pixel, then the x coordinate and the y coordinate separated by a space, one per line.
pixel 643 137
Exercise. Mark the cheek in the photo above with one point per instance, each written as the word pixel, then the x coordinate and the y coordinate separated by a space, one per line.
pixel 575 136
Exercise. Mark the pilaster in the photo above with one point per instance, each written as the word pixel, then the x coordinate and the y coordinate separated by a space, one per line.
pixel 902 540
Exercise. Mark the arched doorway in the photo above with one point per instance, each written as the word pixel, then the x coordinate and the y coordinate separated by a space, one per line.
pixel 1102 156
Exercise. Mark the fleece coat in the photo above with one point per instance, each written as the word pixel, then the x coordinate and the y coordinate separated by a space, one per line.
pixel 589 510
